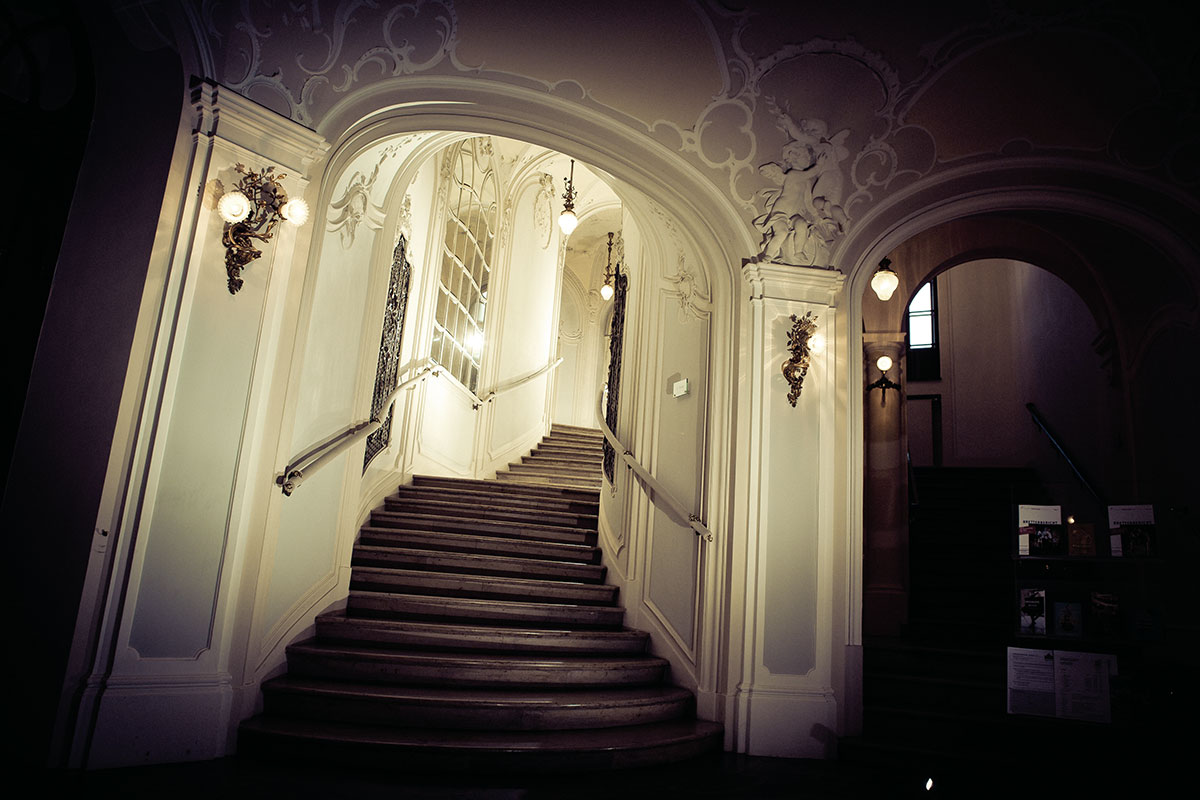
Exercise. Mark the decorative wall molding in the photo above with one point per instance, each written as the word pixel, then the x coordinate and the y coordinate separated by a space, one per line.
pixel 543 209
pixel 688 288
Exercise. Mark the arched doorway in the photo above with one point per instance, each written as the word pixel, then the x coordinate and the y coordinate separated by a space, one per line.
pixel 1059 322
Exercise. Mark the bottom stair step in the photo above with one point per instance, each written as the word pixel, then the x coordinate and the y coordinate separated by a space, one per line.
pixel 425 749
pixel 474 709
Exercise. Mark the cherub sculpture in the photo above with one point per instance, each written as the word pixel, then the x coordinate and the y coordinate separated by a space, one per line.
pixel 805 213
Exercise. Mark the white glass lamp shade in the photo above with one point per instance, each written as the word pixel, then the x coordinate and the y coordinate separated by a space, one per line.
pixel 884 363
pixel 884 283
pixel 233 207
pixel 606 291
pixel 295 211
pixel 567 221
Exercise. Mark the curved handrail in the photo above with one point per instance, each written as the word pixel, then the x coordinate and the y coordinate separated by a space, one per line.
pixel 657 491
pixel 305 464
pixel 508 387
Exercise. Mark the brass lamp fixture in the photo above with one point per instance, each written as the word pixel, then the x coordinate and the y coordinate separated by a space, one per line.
pixel 883 363
pixel 252 211
pixel 567 219
pixel 607 290
pixel 885 280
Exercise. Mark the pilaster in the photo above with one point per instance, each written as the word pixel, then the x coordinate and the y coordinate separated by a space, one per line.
pixel 785 703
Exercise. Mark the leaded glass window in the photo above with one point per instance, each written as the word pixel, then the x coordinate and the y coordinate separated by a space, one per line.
pixel 468 248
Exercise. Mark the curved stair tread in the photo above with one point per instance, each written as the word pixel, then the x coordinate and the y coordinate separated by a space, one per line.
pixel 630 737
pixel 488 637
pixel 504 660
pixel 479 696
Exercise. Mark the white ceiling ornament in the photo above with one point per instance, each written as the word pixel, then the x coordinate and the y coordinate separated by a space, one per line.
pixel 270 49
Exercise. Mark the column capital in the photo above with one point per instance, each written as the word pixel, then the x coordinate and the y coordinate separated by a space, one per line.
pixel 883 344
pixel 785 282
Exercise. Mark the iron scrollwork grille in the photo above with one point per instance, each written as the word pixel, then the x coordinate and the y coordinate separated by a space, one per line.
pixel 389 350
pixel 616 335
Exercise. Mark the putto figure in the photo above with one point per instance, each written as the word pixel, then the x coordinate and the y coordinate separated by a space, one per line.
pixel 804 216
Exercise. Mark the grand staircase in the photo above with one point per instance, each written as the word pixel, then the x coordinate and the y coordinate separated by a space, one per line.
pixel 479 635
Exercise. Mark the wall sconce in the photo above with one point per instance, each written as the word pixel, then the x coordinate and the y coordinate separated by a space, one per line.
pixel 885 280
pixel 251 211
pixel 567 219
pixel 884 363
pixel 607 290
pixel 799 343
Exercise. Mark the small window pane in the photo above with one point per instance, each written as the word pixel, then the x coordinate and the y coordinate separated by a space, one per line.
pixel 920 331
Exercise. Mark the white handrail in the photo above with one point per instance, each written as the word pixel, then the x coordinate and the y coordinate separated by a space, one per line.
pixel 307 463
pixel 508 387
pixel 657 491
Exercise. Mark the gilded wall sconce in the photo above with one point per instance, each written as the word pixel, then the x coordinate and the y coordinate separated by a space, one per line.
pixel 799 340
pixel 252 211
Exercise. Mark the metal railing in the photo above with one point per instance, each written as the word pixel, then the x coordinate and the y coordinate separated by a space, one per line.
pixel 1044 426
pixel 304 465
pixel 307 463
pixel 657 493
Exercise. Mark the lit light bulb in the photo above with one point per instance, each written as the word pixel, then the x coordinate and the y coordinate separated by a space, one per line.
pixel 233 206
pixel 884 363
pixel 295 211
pixel 884 281
pixel 606 291
pixel 817 343
pixel 567 222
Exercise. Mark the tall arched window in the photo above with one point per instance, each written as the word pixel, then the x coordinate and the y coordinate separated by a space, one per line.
pixel 468 247
pixel 924 347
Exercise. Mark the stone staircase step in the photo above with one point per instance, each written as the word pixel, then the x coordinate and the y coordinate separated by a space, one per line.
pixel 433 668
pixel 448 584
pixel 513 512
pixel 337 626
pixel 582 452
pixel 505 496
pixel 438 707
pixel 467 543
pixel 458 524
pixel 589 464
pixel 527 478
pixel 414 606
pixel 523 751
pixel 471 563
pixel 489 487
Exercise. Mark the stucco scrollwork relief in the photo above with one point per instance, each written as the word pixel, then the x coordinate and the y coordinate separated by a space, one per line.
pixel 354 207
pixel 404 224
pixel 688 287
pixel 543 208
pixel 269 47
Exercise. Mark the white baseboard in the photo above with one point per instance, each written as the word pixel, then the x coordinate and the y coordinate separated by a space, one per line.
pixel 161 720
pixel 787 723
